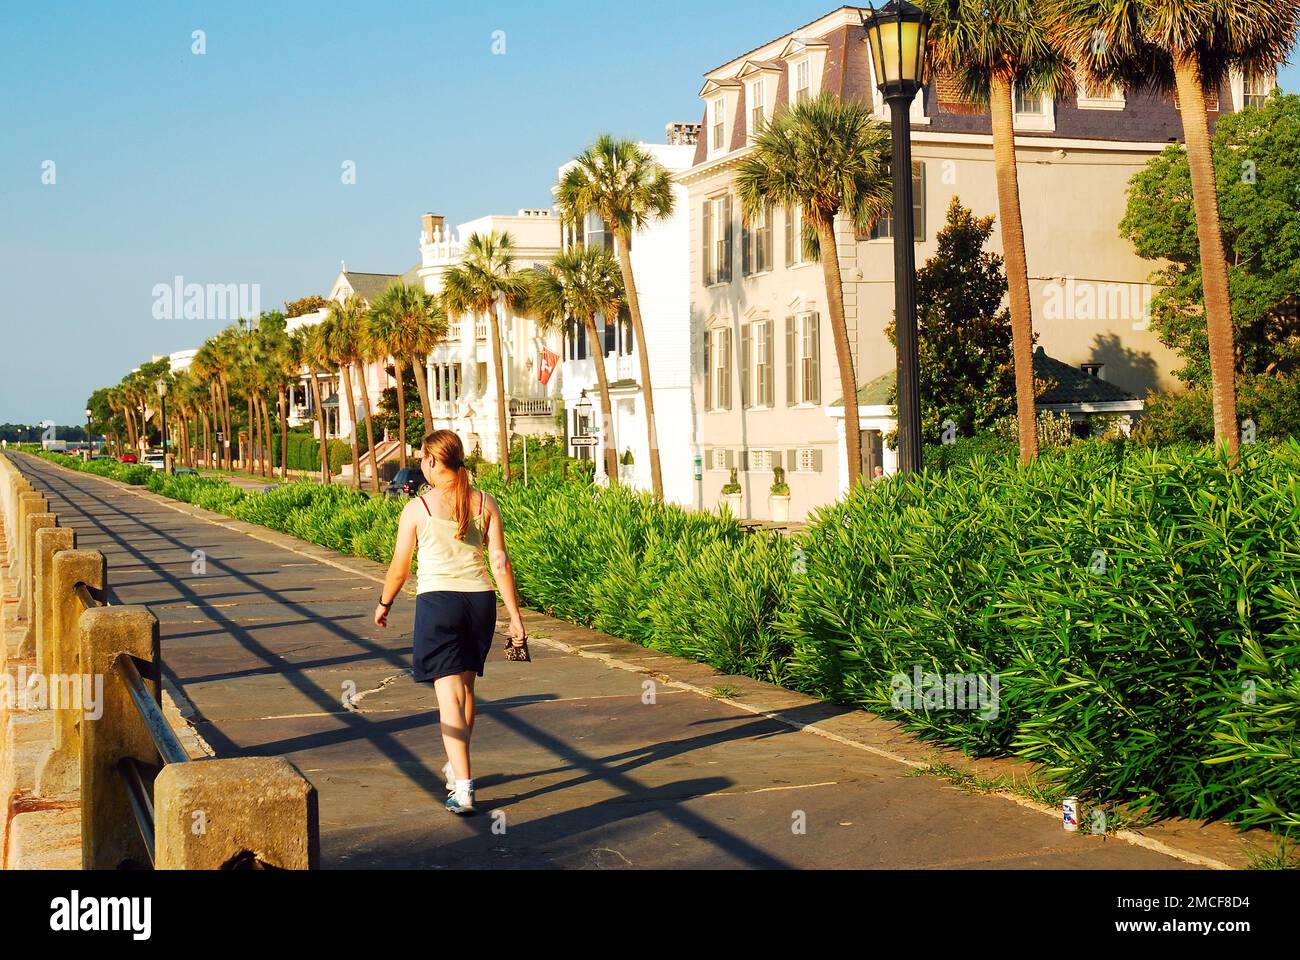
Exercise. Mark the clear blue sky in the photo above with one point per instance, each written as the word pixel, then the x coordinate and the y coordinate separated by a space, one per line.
pixel 225 167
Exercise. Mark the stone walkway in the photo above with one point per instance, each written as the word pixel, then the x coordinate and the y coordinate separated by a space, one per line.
pixel 599 754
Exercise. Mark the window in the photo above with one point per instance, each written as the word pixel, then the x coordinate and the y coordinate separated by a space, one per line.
pixel 1256 91
pixel 756 244
pixel 794 251
pixel 482 374
pixel 446 382
pixel 717 355
pixel 576 340
pixel 1030 104
pixel 1091 369
pixel 719 123
pixel 883 228
pixel 720 458
pixel 764 368
pixel 716 236
pixel 803 359
pixel 802 80
pixel 760 460
pixel 804 460
pixel 1098 97
pixel 757 114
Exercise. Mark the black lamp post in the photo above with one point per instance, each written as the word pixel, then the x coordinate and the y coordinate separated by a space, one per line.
pixel 162 395
pixel 897 34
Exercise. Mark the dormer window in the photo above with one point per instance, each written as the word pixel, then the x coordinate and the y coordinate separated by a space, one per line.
pixel 803 80
pixel 757 108
pixel 1092 97
pixel 719 127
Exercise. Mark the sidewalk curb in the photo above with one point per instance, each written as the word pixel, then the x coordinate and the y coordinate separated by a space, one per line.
pixel 1210 845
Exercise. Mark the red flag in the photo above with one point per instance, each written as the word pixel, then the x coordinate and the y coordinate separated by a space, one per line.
pixel 549 360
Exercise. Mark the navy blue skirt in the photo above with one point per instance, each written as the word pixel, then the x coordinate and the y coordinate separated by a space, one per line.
pixel 453 632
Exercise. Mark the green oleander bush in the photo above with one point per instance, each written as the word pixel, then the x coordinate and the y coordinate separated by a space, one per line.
pixel 1138 607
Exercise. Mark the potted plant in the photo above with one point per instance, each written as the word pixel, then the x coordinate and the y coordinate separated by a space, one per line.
pixel 625 466
pixel 731 494
pixel 779 501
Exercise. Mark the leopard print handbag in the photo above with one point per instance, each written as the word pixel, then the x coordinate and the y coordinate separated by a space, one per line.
pixel 520 653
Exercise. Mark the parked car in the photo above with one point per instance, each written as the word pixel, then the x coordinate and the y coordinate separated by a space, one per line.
pixel 156 460
pixel 130 458
pixel 406 483
pixel 181 471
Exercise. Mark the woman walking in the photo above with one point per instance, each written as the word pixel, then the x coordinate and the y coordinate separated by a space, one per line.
pixel 455 610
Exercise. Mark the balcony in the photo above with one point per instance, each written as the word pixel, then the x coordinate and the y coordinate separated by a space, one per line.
pixel 544 407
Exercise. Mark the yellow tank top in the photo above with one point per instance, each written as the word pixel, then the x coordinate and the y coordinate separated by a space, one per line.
pixel 445 563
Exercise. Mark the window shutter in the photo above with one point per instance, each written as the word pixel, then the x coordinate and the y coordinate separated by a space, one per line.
pixel 789 236
pixel 817 459
pixel 708 374
pixel 918 199
pixel 746 356
pixel 706 263
pixel 744 461
pixel 769 371
pixel 815 388
pixel 729 459
pixel 746 262
pixel 791 460
pixel 765 240
pixel 724 269
pixel 724 351
pixel 791 358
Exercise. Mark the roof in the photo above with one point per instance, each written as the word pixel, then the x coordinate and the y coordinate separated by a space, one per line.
pixel 368 286
pixel 1071 386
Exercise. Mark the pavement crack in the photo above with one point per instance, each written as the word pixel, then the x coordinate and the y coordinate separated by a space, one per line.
pixel 352 701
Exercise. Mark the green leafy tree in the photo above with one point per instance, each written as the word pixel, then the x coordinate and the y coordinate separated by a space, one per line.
pixel 1185 47
pixel 1257 176
pixel 967 366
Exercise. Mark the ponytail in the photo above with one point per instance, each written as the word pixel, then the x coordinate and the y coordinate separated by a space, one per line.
pixel 462 500
pixel 444 446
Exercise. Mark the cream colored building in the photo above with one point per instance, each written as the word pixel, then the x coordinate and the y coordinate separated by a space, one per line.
pixel 768 387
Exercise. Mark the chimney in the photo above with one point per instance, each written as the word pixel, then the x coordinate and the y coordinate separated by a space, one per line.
pixel 430 222
pixel 682 133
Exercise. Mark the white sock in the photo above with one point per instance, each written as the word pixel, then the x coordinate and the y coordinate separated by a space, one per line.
pixel 464 785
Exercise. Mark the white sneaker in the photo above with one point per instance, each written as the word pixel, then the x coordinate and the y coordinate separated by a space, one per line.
pixel 449 775
pixel 461 801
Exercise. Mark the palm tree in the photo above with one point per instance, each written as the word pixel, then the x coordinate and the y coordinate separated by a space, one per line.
pixel 342 329
pixel 996 48
pixel 577 285
pixel 627 188
pixel 1187 47
pixel 410 321
pixel 290 358
pixel 827 157
pixel 405 323
pixel 316 347
pixel 483 280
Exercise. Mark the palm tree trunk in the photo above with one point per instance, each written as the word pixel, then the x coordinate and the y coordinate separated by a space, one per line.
pixel 370 429
pixel 503 441
pixel 320 419
pixel 268 462
pixel 346 375
pixel 623 249
pixel 606 410
pixel 207 438
pixel 401 407
pixel 830 256
pixel 1209 233
pixel 283 410
pixel 421 370
pixel 1013 251
pixel 227 446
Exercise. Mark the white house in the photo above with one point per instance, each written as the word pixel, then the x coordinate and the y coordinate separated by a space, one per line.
pixel 661 267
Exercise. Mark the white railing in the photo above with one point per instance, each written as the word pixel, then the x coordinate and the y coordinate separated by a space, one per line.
pixel 543 407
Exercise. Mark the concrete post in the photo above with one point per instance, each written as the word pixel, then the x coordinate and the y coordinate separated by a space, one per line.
pixel 215 814
pixel 59 773
pixel 109 835
pixel 28 504
pixel 48 541
pixel 27 589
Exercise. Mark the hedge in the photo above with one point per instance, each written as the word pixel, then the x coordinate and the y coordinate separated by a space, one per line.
pixel 1139 609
